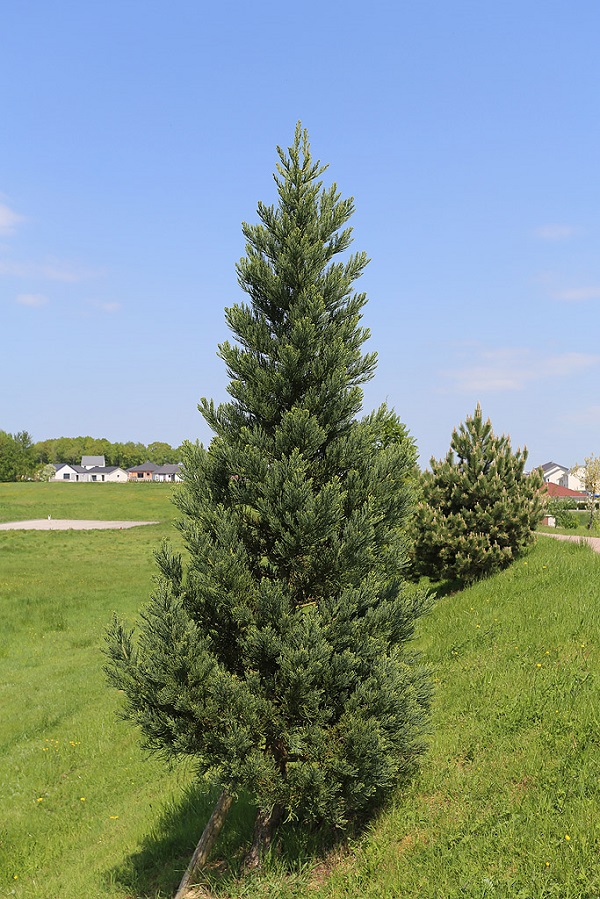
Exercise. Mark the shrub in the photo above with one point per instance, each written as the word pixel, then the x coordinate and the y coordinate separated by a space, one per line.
pixel 563 512
pixel 478 508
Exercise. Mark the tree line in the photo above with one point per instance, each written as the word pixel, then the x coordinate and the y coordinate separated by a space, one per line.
pixel 23 459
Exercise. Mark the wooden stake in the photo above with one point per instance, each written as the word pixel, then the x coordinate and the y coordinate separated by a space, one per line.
pixel 206 841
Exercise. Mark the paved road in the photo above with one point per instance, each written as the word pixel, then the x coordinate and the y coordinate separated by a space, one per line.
pixel 69 524
pixel 593 541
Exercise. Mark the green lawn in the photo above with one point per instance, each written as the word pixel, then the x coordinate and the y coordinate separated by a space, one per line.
pixel 128 502
pixel 580 531
pixel 506 805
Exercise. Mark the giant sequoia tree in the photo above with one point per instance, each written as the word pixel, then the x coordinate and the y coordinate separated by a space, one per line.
pixel 274 651
pixel 479 508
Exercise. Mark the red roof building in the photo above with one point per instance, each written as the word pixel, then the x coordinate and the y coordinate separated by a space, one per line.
pixel 556 490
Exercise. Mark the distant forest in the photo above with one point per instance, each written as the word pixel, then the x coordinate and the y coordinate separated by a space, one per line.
pixel 22 459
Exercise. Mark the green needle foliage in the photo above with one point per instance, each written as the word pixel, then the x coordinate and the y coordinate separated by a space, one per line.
pixel 478 509
pixel 274 653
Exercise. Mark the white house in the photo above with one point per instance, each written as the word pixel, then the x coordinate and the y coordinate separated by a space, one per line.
pixel 559 474
pixel 93 462
pixel 90 473
pixel 170 471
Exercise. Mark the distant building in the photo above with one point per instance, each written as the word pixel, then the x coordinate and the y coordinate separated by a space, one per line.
pixel 91 471
pixel 150 471
pixel 557 491
pixel 89 474
pixel 93 462
pixel 554 473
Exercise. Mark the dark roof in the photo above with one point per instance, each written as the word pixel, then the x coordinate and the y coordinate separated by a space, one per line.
pixel 168 468
pixel 147 466
pixel 80 469
pixel 93 461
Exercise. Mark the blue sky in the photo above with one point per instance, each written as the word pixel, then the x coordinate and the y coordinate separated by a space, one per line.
pixel 137 136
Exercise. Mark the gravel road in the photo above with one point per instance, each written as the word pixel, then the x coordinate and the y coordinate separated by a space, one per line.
pixel 69 524
pixel 593 541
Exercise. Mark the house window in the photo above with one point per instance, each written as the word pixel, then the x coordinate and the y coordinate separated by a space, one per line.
pixel 66 476
pixel 140 474
pixel 94 477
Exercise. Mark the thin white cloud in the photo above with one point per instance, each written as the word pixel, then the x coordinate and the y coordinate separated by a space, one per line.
pixel 554 232
pixel 578 294
pixel 110 307
pixel 512 368
pixel 9 219
pixel 34 300
pixel 588 416
pixel 50 270
pixel 567 364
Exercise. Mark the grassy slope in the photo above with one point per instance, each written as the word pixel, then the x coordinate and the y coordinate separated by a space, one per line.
pixel 507 802
pixel 513 767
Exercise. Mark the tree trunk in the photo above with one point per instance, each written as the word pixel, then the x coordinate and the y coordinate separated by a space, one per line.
pixel 264 828
pixel 206 841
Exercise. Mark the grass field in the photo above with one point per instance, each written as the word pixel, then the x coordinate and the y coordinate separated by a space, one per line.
pixel 129 502
pixel 506 804
pixel 580 531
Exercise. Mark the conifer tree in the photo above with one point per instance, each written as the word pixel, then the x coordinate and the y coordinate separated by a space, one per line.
pixel 274 651
pixel 478 508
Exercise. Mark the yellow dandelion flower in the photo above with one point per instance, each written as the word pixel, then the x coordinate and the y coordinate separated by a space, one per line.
pixel 539 665
pixel 567 837
pixel 82 799
pixel 113 817
pixel 40 798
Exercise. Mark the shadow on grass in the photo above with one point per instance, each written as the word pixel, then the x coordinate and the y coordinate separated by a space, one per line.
pixel 155 871
pixel 157 868
pixel 446 588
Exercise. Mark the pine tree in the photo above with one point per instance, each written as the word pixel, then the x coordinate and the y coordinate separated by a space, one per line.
pixel 478 508
pixel 274 651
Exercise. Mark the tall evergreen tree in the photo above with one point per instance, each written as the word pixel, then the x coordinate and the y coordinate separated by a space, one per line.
pixel 478 508
pixel 274 652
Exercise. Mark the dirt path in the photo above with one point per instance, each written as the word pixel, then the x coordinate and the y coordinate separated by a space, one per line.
pixel 593 541
pixel 69 524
